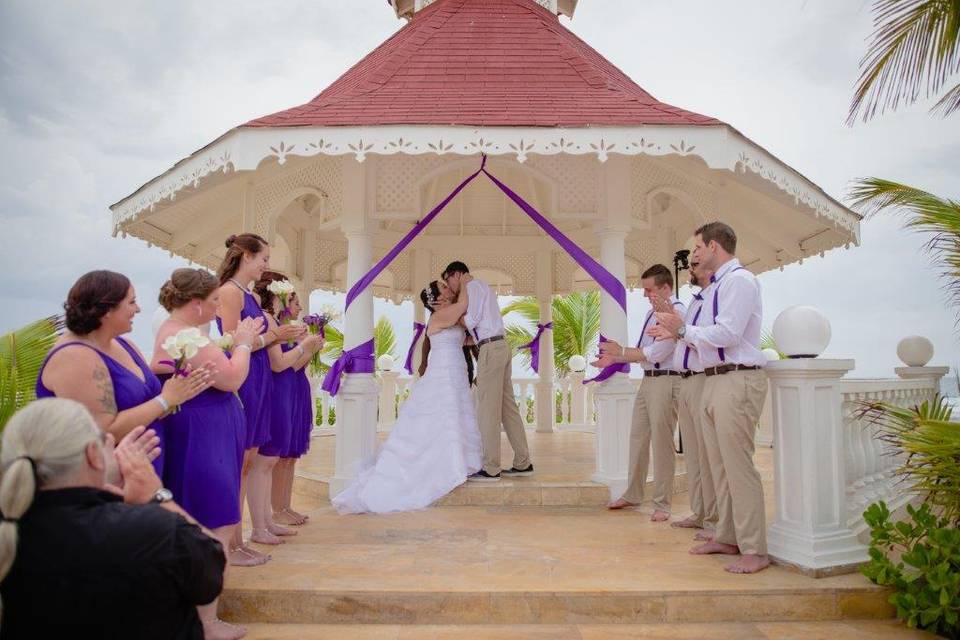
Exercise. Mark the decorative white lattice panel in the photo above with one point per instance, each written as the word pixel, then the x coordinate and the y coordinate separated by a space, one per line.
pixel 323 174
pixel 329 254
pixel 398 178
pixel 576 178
pixel 520 268
pixel 647 175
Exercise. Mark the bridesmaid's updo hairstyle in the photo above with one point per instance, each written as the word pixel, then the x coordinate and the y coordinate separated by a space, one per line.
pixel 92 297
pixel 186 285
pixel 266 297
pixel 430 295
pixel 237 246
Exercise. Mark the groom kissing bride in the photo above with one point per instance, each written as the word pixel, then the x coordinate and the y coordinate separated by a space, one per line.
pixel 437 441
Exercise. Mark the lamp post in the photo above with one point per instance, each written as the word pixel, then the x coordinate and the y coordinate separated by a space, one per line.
pixel 680 263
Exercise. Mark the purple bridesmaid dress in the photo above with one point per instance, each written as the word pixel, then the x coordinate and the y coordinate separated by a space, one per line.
pixel 205 444
pixel 128 389
pixel 302 415
pixel 255 391
pixel 282 414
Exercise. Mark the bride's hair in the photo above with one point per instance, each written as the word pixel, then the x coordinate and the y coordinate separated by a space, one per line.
pixel 429 297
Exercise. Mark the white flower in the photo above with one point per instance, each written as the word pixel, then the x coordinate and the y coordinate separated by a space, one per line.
pixel 281 287
pixel 172 348
pixel 225 342
pixel 296 323
pixel 190 340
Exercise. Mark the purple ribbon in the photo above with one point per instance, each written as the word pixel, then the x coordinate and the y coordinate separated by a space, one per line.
pixel 177 371
pixel 716 306
pixel 534 346
pixel 418 328
pixel 606 372
pixel 356 360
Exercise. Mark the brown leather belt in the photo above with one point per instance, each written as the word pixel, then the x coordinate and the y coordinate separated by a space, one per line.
pixel 727 368
pixel 490 339
pixel 660 372
pixel 688 374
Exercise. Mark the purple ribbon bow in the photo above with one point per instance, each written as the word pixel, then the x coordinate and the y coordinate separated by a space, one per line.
pixel 177 371
pixel 356 360
pixel 534 346
pixel 418 328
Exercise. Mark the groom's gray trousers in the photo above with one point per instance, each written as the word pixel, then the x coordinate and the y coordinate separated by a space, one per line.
pixel 496 406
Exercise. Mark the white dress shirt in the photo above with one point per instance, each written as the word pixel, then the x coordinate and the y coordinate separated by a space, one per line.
pixel 658 353
pixel 483 317
pixel 729 331
pixel 685 357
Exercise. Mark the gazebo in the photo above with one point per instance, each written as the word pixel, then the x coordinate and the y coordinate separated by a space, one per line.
pixel 335 183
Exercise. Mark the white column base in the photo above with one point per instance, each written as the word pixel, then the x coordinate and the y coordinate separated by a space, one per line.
pixel 356 427
pixel 546 406
pixel 614 399
pixel 387 400
pixel 815 551
pixel 915 373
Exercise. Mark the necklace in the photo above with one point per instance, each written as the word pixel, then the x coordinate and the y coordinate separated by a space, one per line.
pixel 242 288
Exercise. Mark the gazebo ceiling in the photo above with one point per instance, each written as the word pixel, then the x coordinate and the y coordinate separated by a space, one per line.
pixel 583 144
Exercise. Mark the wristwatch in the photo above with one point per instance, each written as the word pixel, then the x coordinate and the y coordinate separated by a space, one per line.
pixel 682 331
pixel 162 495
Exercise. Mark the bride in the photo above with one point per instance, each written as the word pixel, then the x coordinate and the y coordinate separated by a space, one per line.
pixel 435 442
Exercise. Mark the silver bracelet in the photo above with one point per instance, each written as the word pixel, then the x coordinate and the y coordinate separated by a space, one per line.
pixel 244 346
pixel 263 343
pixel 163 403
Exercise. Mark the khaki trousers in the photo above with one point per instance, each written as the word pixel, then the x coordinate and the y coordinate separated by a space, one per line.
pixel 654 421
pixel 703 498
pixel 731 407
pixel 496 405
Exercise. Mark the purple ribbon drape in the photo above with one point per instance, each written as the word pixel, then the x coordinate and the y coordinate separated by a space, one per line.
pixel 356 360
pixel 534 346
pixel 418 328
pixel 607 281
pixel 606 372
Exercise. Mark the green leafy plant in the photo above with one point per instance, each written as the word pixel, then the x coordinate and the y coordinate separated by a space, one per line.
pixel 926 579
pixel 930 444
pixel 767 342
pixel 21 355
pixel 576 326
pixel 384 338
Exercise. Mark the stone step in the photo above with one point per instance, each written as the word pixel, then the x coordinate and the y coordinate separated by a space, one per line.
pixel 846 630
pixel 507 492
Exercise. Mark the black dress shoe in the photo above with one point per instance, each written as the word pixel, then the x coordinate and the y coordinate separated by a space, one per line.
pixel 483 476
pixel 513 471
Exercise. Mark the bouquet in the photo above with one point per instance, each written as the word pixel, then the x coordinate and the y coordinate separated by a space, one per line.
pixel 225 342
pixel 182 346
pixel 283 289
pixel 315 325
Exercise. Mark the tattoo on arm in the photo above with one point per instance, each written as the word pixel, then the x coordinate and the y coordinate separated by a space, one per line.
pixel 108 402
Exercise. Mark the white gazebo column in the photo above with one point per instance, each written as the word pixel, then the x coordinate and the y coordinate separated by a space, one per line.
pixel 545 398
pixel 810 530
pixel 614 396
pixel 357 399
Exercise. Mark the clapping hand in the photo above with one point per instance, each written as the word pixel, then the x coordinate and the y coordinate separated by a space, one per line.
pixel 138 481
pixel 668 324
pixel 178 389
pixel 246 330
pixel 290 331
pixel 604 361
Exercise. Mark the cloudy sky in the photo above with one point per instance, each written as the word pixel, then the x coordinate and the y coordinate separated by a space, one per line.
pixel 96 98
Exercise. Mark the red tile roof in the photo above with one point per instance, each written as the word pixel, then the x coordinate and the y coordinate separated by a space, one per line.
pixel 483 62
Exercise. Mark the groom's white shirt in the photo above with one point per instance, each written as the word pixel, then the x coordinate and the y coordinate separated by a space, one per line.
pixel 483 313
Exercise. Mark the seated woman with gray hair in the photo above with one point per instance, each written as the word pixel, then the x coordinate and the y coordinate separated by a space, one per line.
pixel 91 545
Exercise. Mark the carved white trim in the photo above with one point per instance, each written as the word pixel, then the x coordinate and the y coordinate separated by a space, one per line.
pixel 720 147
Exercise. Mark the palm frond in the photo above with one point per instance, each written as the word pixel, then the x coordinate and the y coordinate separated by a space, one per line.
pixel 332 348
pixel 930 443
pixel 767 341
pixel 516 337
pixel 528 307
pixel 384 338
pixel 949 103
pixel 924 212
pixel 22 353
pixel 915 47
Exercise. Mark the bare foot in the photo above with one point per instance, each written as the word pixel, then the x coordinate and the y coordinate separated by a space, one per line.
pixel 659 516
pixel 749 563
pixel 254 552
pixel 220 630
pixel 278 530
pixel 689 522
pixel 704 536
pixel 297 514
pixel 715 547
pixel 240 557
pixel 620 504
pixel 263 536
pixel 285 517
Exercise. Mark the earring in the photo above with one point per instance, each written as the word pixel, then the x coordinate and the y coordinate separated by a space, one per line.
pixel 199 312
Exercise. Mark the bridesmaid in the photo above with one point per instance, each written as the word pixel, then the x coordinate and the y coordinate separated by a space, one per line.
pixel 205 437
pixel 286 361
pixel 300 413
pixel 247 257
pixel 92 364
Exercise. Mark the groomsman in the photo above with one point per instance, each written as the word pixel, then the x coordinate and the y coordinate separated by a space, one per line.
pixel 703 498
pixel 727 339
pixel 655 407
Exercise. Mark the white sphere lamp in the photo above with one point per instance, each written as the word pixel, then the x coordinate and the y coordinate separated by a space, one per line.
pixel 801 331
pixel 577 363
pixel 385 362
pixel 915 351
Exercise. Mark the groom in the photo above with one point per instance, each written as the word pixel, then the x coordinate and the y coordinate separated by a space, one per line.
pixel 496 404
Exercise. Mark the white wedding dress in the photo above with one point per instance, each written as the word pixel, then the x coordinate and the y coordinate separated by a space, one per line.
pixel 434 444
